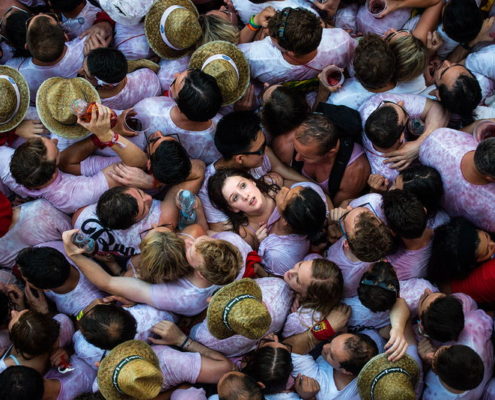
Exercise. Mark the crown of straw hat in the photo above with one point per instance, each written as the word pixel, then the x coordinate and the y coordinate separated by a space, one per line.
pixel 126 12
pixel 238 309
pixel 54 104
pixel 130 371
pixel 381 379
pixel 14 92
pixel 227 64
pixel 172 27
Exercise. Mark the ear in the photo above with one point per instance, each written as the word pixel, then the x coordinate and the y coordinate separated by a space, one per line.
pixel 239 159
pixel 261 384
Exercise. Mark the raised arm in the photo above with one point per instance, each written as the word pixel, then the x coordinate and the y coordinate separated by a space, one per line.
pixel 213 363
pixel 131 288
pixel 399 316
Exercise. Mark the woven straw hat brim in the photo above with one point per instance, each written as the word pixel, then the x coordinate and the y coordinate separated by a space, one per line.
pixel 152 27
pixel 217 304
pixel 24 93
pixel 221 47
pixel 133 65
pixel 396 381
pixel 112 359
pixel 69 131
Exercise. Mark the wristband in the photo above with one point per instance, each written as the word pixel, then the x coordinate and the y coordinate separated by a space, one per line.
pixel 184 343
pixel 252 25
pixel 322 330
pixel 101 145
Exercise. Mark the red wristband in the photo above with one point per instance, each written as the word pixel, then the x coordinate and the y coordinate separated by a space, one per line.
pixel 101 145
pixel 322 330
pixel 102 16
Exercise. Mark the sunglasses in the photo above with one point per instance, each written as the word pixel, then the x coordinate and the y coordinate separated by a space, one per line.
pixel 152 139
pixel 265 340
pixel 342 218
pixel 145 232
pixel 258 152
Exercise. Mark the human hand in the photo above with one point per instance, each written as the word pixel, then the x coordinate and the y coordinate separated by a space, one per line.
pixel 334 232
pixel 433 42
pixel 95 41
pixel 36 299
pixel 378 183
pixel 119 299
pixel 59 358
pixel 426 350
pixel 339 316
pixel 102 29
pixel 131 176
pixel 330 6
pixel 306 387
pixel 402 158
pixel 30 128
pixel 261 233
pixel 70 248
pixel 246 102
pixel 100 122
pixel 337 213
pixel 264 16
pixel 397 345
pixel 485 34
pixel 16 297
pixel 169 333
pixel 390 6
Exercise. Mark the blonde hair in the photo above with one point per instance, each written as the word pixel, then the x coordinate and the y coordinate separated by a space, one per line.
pixel 216 28
pixel 411 56
pixel 222 261
pixel 163 257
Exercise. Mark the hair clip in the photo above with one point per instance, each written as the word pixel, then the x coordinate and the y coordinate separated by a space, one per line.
pixel 369 282
pixel 281 29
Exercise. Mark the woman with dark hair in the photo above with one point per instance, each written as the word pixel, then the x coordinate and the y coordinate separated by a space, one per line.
pixel 278 222
pixel 462 260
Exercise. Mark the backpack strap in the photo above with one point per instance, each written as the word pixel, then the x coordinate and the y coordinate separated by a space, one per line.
pixel 341 161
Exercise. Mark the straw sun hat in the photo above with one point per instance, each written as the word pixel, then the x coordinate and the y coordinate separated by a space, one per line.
pixel 381 379
pixel 126 12
pixel 54 100
pixel 14 92
pixel 130 371
pixel 172 27
pixel 238 309
pixel 227 64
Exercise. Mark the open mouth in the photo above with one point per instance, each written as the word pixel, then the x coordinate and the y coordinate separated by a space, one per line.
pixel 376 6
pixel 252 202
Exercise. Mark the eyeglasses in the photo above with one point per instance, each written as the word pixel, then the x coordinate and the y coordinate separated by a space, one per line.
pixel 342 218
pixel 265 340
pixel 145 232
pixel 151 139
pixel 258 152
pixel 53 15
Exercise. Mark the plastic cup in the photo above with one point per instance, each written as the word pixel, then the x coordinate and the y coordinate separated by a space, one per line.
pixel 376 7
pixel 334 76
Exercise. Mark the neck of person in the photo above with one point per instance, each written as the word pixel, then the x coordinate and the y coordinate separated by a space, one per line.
pixel 52 389
pixel 341 379
pixel 396 146
pixel 75 12
pixel 107 91
pixel 179 119
pixel 222 163
pixel 420 242
pixel 470 172
pixel 386 88
pixel 71 283
pixel 52 179
pixel 198 280
pixel 48 64
pixel 299 60
pixel 349 254
pixel 281 227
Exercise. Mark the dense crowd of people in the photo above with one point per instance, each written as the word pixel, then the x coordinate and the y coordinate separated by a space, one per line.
pixel 247 199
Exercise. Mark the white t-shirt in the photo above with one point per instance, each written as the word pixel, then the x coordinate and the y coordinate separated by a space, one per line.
pixel 268 65
pixel 198 144
pixel 245 8
pixel 132 41
pixel 141 84
pixel 67 67
pixel 84 20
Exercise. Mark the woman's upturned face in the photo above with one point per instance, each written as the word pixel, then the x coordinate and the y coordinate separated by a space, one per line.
pixel 300 276
pixel 242 195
